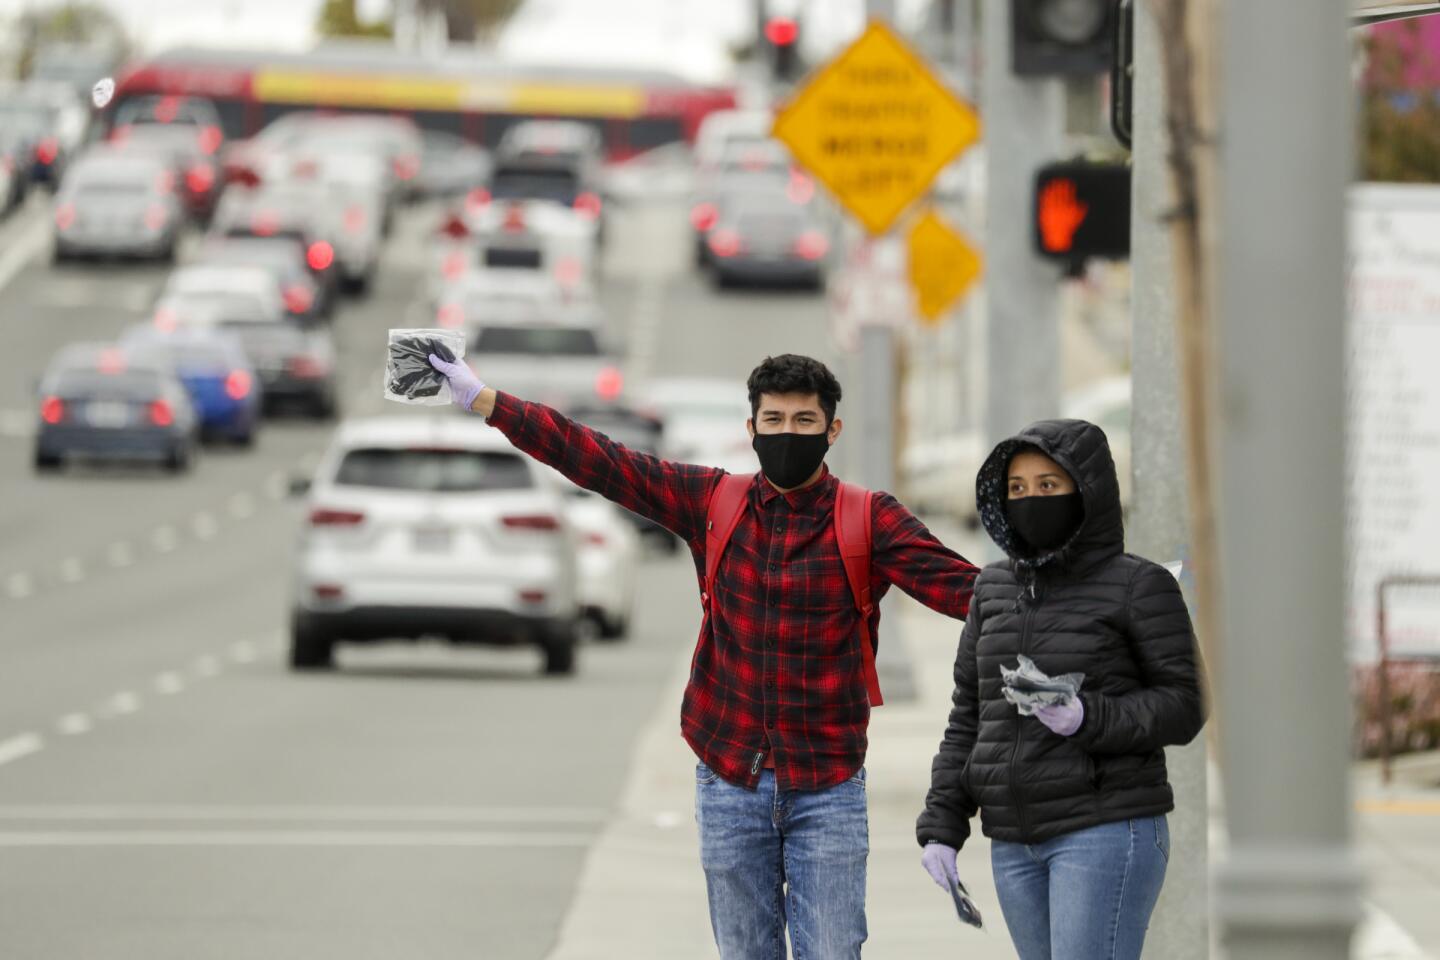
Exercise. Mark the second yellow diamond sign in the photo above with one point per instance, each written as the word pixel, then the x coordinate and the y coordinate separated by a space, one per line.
pixel 875 126
pixel 942 266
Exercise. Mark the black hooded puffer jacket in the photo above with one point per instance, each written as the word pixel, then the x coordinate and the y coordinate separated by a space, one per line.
pixel 1087 607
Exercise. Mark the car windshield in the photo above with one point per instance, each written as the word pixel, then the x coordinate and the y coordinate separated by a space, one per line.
pixel 124 384
pixel 542 341
pixel 433 471
pixel 231 307
pixel 543 183
pixel 163 110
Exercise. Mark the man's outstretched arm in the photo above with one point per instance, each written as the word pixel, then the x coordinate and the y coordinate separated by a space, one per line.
pixel 674 495
pixel 907 554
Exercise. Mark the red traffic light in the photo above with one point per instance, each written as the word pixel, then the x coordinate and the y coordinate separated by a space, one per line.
pixel 781 31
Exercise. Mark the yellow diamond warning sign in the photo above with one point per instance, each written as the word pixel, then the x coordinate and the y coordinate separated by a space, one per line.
pixel 875 126
pixel 942 266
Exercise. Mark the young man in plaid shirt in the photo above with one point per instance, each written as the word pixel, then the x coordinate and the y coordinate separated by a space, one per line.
pixel 776 707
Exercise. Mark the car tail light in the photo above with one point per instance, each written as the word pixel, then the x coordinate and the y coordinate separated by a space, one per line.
pixel 210 138
pixel 588 205
pixel 532 521
pixel 52 410
pixel 320 255
pixel 166 319
pixel 703 216
pixel 477 199
pixel 165 183
pixel 328 517
pixel 355 219
pixel 454 226
pixel 533 596
pixel 327 591
pixel 155 217
pixel 160 413
pixel 200 178
pixel 724 243
pixel 47 150
pixel 298 299
pixel 237 385
pixel 801 189
pixel 450 315
pixel 568 271
pixel 65 216
pixel 306 367
pixel 454 266
pixel 812 245
pixel 610 383
pixel 406 167
pixel 514 219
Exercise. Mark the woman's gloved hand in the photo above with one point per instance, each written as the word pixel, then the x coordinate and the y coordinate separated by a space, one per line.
pixel 1062 718
pixel 939 861
pixel 464 385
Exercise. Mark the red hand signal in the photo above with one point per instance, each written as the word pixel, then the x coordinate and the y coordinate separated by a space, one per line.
pixel 1060 215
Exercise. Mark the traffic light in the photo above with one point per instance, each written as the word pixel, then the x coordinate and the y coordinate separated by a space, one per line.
pixel 1071 38
pixel 783 36
pixel 1082 212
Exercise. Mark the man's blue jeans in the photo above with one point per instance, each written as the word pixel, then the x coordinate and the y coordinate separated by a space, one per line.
pixel 772 856
pixel 1085 895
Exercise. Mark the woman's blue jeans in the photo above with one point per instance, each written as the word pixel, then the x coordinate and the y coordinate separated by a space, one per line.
pixel 776 856
pixel 1085 895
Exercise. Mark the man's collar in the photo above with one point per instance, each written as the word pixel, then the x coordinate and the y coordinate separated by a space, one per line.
pixel 798 499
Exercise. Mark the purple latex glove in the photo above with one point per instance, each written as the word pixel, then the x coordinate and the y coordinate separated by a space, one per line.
pixel 939 861
pixel 464 385
pixel 1063 718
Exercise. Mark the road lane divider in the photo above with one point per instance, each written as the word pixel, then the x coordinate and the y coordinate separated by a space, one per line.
pixel 21 745
pixel 73 724
pixel 169 683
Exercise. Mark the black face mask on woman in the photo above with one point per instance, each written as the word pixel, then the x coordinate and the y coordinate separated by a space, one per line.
pixel 789 459
pixel 1046 522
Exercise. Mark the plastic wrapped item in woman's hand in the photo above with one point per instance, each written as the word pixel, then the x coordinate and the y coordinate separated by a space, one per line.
pixel 409 375
pixel 1028 687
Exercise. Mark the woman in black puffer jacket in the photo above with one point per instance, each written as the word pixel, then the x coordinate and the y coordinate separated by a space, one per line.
pixel 1073 798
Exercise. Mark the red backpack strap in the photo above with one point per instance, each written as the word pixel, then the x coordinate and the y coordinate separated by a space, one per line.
pixel 853 533
pixel 727 503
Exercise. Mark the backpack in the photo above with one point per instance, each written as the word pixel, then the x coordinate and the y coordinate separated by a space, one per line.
pixel 852 533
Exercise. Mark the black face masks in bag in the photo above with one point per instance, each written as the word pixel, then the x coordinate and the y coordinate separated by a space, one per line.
pixel 1046 522
pixel 789 459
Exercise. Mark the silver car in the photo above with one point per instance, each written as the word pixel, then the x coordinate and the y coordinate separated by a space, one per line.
pixel 564 366
pixel 117 205
pixel 433 527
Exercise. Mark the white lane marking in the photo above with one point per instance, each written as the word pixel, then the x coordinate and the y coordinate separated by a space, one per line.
pixel 241 505
pixel 72 570
pixel 17 424
pixel 169 683
pixel 120 554
pixel 19 585
pixel 1381 938
pixel 242 651
pixel 276 485
pixel 124 702
pixel 19 746
pixel 271 813
pixel 204 525
pixel 165 539
pixel 206 666
pixel 295 838
pixel 24 247
pixel 74 723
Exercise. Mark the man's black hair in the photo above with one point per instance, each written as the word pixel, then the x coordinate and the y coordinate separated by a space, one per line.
pixel 792 373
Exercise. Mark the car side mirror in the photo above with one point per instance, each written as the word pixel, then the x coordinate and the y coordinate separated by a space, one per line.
pixel 299 486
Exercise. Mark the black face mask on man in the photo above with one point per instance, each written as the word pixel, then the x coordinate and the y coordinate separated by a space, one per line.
pixel 789 459
pixel 1046 522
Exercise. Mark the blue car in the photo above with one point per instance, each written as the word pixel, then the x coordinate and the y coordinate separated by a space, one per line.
pixel 216 372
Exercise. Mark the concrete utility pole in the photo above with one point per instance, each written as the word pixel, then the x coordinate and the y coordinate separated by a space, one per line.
pixel 1158 527
pixel 1024 119
pixel 1289 889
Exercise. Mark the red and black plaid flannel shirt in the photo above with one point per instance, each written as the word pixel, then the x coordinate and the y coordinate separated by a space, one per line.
pixel 777 668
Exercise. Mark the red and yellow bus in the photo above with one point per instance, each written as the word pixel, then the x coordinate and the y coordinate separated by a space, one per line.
pixel 468 95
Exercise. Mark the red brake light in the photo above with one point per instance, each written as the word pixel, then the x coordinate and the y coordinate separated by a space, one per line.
pixel 298 299
pixel 160 414
pixel 200 178
pixel 65 215
pixel 326 517
pixel 52 410
pixel 47 150
pixel 450 315
pixel 533 596
pixel 355 219
pixel 237 385
pixel 454 226
pixel 320 255
pixel 454 266
pixel 703 217
pixel 305 367
pixel 477 199
pixel 610 383
pixel 539 521
pixel 588 205
pixel 210 138
pixel 781 31
pixel 812 245
pixel 724 243
pixel 514 219
pixel 155 216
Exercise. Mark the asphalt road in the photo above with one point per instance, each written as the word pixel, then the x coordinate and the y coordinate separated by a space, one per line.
pixel 169 790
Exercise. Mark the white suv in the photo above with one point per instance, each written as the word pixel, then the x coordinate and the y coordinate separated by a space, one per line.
pixel 433 526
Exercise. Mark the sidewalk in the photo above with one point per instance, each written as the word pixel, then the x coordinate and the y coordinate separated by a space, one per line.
pixel 641 893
